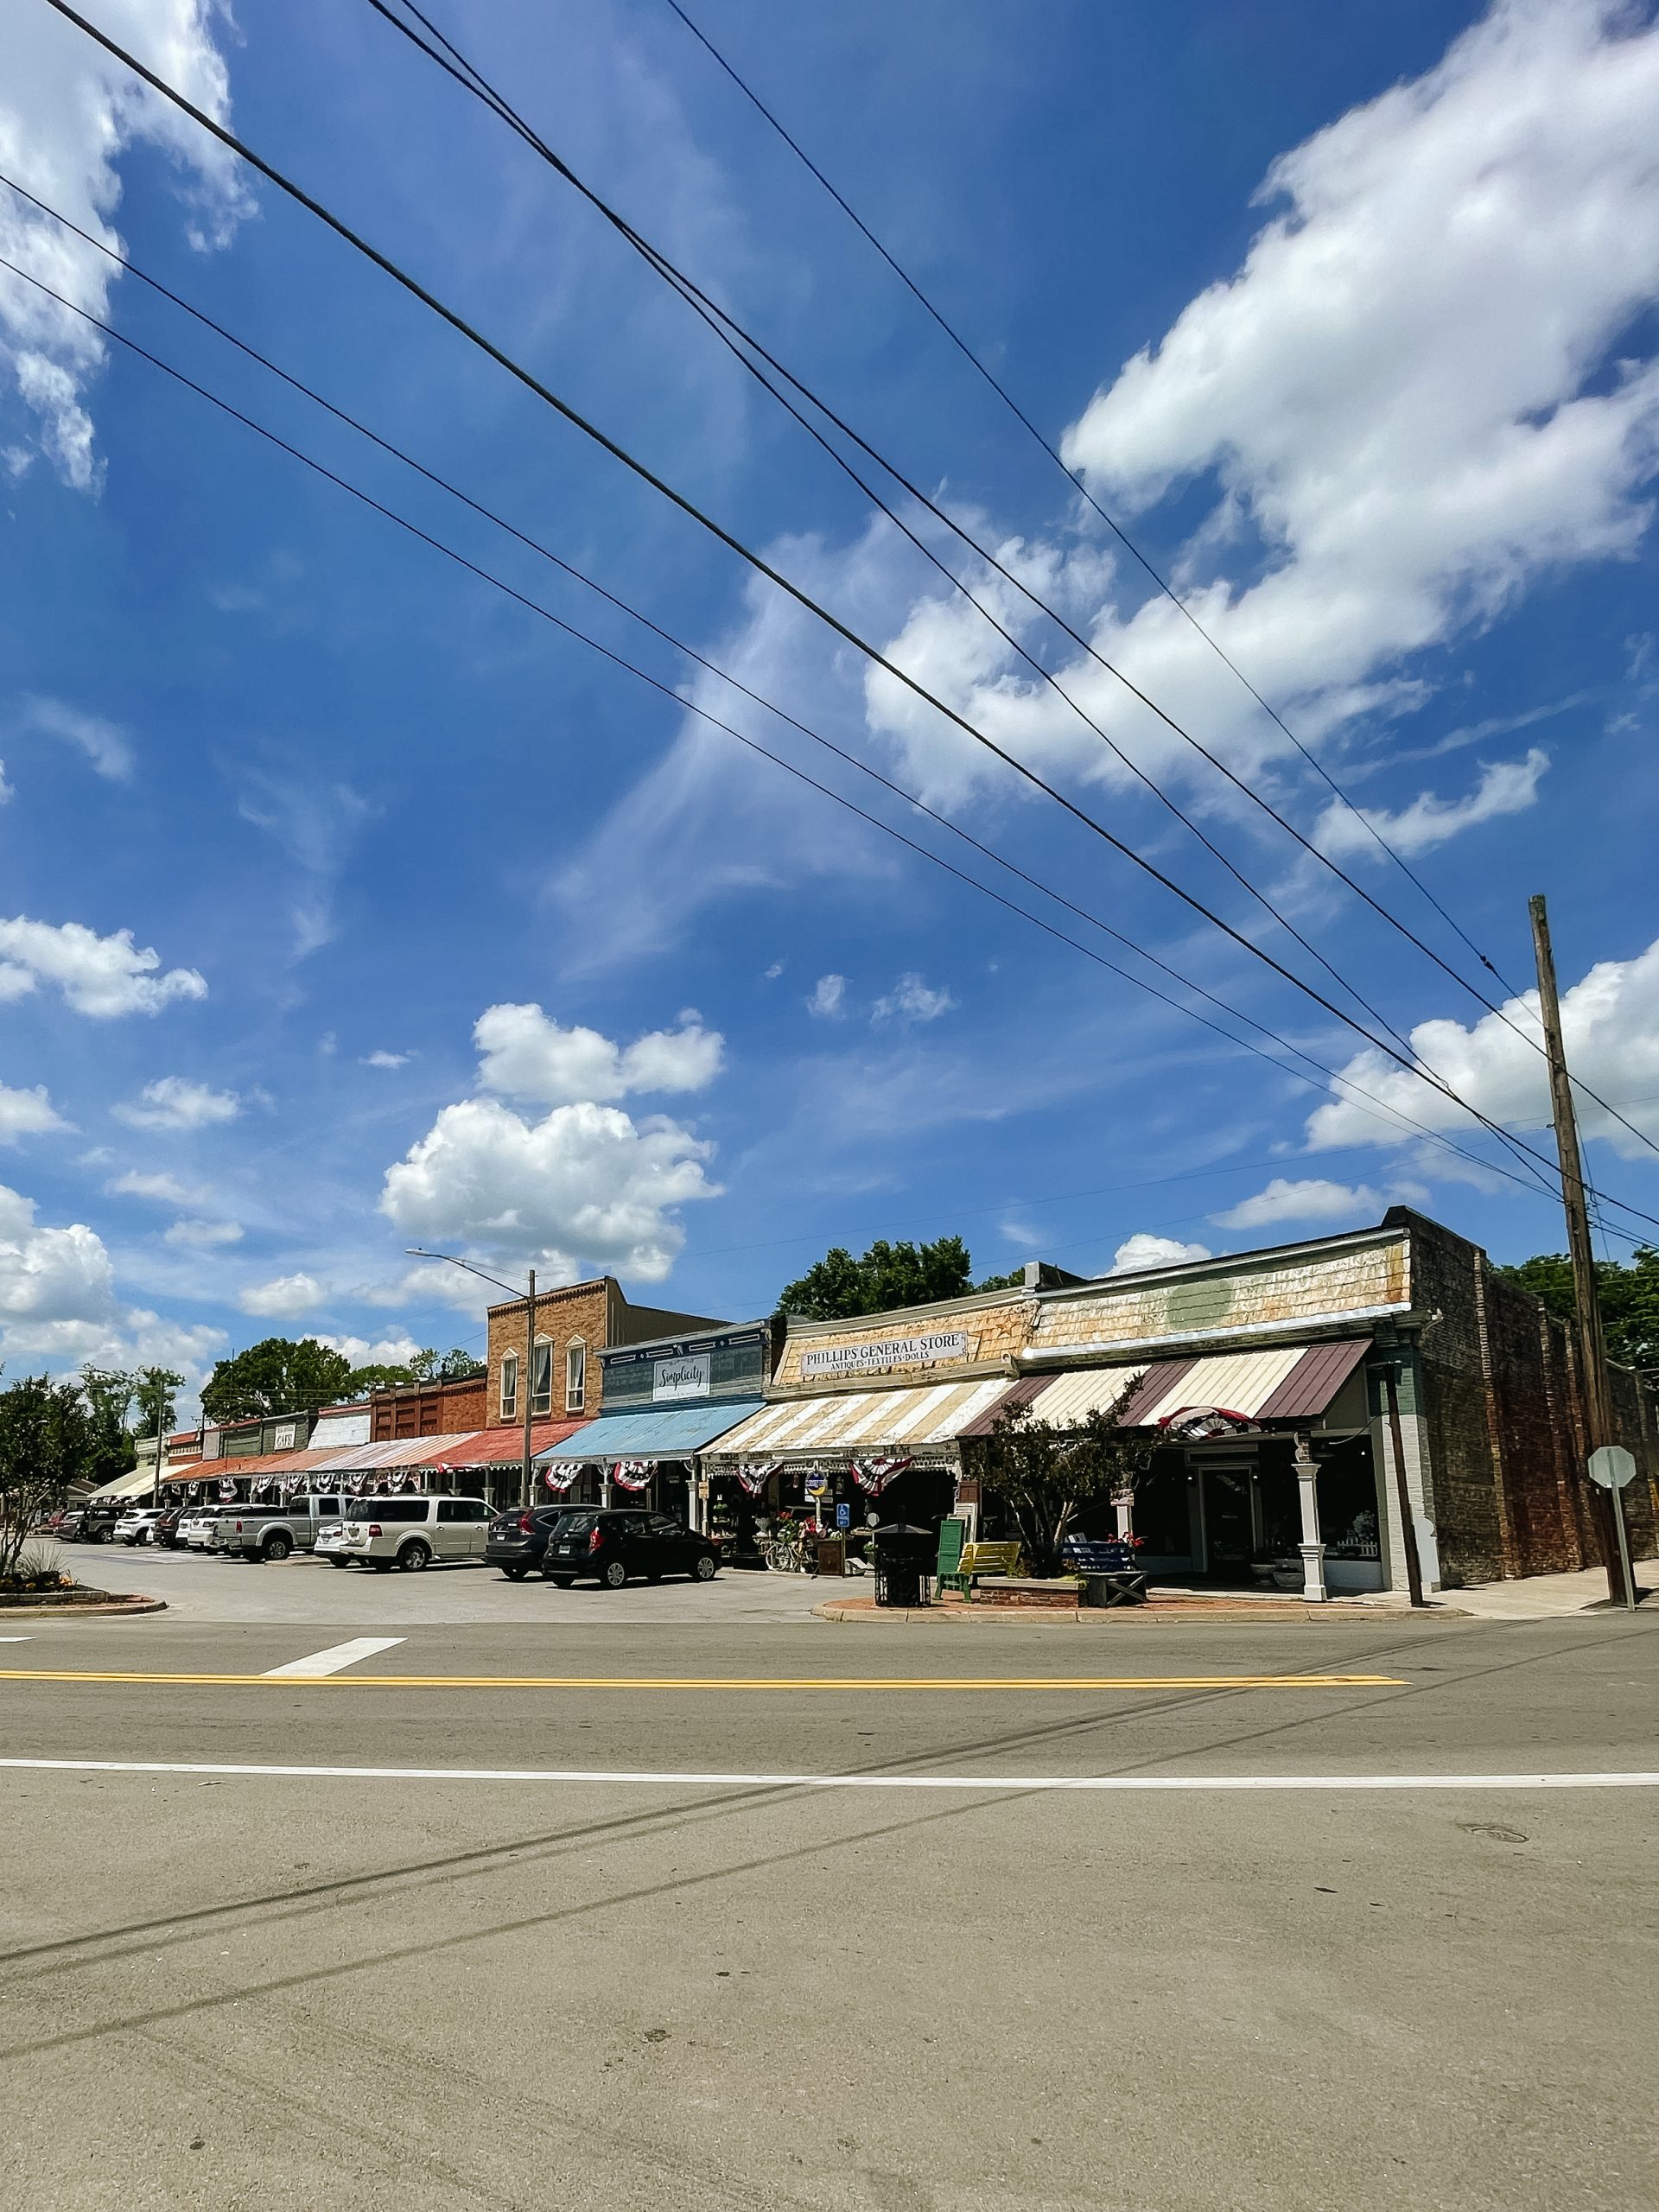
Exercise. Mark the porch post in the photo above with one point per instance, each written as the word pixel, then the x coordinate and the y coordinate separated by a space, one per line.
pixel 1124 1507
pixel 1312 1548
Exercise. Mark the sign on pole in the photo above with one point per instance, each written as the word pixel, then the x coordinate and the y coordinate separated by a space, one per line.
pixel 1612 1466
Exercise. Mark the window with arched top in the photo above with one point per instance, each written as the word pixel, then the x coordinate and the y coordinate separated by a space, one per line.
pixel 541 1378
pixel 510 1387
pixel 576 1376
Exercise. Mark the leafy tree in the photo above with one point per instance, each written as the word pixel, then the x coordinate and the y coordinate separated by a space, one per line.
pixel 425 1366
pixel 108 1392
pixel 455 1366
pixel 277 1376
pixel 840 1287
pixel 1047 1476
pixel 379 1375
pixel 46 1443
pixel 1629 1292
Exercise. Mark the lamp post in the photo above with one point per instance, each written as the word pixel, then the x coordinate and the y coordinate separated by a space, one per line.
pixel 527 1482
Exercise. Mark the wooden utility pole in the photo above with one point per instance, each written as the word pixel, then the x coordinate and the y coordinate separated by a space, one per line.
pixel 1593 1347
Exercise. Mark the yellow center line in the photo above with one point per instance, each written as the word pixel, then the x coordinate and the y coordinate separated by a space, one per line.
pixel 791 1683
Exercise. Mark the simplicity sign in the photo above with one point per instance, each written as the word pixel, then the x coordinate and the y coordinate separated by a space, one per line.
pixel 887 1352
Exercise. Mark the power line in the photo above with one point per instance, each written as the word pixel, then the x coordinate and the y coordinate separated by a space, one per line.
pixel 730 332
pixel 735 338
pixel 1079 483
pixel 1341 1083
pixel 762 567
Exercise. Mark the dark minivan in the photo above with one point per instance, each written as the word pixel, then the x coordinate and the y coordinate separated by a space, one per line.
pixel 615 1544
pixel 519 1537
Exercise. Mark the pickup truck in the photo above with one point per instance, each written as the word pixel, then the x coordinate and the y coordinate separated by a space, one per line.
pixel 270 1530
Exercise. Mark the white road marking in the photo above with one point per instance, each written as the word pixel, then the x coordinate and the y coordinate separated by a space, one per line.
pixel 16 1639
pixel 336 1658
pixel 672 1778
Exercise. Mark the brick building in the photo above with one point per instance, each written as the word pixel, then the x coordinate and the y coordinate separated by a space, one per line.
pixel 572 1325
pixel 430 1408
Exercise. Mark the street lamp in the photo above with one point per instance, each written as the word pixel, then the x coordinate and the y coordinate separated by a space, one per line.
pixel 529 1383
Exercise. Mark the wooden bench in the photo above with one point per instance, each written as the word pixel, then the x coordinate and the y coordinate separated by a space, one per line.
pixel 1108 1569
pixel 981 1559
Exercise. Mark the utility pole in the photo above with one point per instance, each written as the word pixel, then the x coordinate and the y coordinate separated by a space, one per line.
pixel 1592 1346
pixel 530 1385
pixel 160 1425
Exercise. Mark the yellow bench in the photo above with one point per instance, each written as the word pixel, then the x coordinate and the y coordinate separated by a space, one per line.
pixel 981 1559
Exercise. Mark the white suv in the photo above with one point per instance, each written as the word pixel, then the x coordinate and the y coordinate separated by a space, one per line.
pixel 412 1532
pixel 138 1524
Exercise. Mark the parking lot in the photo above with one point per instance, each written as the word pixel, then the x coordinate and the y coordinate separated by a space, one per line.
pixel 204 1587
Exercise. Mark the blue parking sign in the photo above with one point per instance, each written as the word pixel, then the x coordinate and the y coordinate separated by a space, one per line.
pixel 843 1517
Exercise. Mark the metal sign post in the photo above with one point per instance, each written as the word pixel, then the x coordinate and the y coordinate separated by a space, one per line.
pixel 1612 1466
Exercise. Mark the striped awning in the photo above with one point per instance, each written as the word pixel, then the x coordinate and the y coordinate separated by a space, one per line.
pixel 1289 1383
pixel 927 1416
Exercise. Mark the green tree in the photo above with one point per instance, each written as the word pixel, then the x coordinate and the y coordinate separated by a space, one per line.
pixel 379 1375
pixel 108 1392
pixel 46 1443
pixel 277 1375
pixel 155 1412
pixel 455 1366
pixel 1046 1477
pixel 840 1287
pixel 1627 1290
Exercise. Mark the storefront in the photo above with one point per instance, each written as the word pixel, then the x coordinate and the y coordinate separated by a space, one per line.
pixel 667 1401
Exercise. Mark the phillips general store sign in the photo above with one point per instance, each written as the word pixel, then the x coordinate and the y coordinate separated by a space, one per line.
pixel 887 1352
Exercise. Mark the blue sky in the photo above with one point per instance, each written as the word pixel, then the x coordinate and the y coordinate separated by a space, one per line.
pixel 349 907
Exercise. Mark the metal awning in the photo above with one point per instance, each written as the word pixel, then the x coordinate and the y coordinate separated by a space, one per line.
pixel 664 1433
pixel 503 1445
pixel 134 1483
pixel 405 1451
pixel 1290 1382
pixel 926 1416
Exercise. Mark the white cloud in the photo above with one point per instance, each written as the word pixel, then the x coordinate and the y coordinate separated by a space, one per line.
pixel 911 1000
pixel 584 1185
pixel 1143 1250
pixel 284 1298
pixel 104 743
pixel 430 1283
pixel 384 1060
pixel 27 1113
pixel 826 1001
pixel 173 1102
pixel 1610 1025
pixel 67 112
pixel 166 1190
pixel 315 828
pixel 98 975
pixel 1405 400
pixel 525 1055
pixel 205 1234
pixel 1505 787
pixel 378 1351
pixel 773 972
pixel 1312 1199
pixel 7 791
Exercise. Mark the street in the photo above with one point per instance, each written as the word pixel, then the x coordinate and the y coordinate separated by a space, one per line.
pixel 950 1980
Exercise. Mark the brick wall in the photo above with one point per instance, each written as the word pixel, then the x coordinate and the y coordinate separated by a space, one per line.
pixel 579 1310
pixel 428 1409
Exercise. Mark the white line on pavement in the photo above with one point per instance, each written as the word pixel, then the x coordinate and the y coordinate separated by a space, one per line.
pixel 16 1639
pixel 671 1779
pixel 336 1658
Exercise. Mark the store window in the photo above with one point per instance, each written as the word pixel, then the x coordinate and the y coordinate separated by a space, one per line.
pixel 575 1378
pixel 541 1389
pixel 510 1387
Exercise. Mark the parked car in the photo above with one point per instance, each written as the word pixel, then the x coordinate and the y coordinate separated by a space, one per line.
pixel 93 1522
pixel 331 1538
pixel 519 1538
pixel 166 1530
pixel 196 1529
pixel 138 1524
pixel 271 1531
pixel 414 1531
pixel 613 1545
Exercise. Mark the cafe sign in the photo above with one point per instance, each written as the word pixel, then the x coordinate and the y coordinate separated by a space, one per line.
pixel 887 1352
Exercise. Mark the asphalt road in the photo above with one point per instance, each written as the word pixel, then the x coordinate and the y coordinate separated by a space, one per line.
pixel 953 1982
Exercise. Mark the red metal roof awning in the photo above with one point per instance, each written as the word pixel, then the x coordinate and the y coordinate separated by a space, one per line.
pixel 504 1445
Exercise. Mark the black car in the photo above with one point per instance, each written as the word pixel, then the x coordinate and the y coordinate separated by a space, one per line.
pixel 517 1538
pixel 166 1530
pixel 90 1524
pixel 613 1545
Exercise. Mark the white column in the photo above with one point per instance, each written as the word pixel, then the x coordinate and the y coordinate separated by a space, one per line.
pixel 1124 1508
pixel 1311 1547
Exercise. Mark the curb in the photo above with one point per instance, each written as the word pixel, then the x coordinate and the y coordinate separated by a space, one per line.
pixel 1221 1614
pixel 113 1606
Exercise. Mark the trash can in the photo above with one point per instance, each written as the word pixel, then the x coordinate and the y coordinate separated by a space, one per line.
pixel 905 1555
pixel 832 1555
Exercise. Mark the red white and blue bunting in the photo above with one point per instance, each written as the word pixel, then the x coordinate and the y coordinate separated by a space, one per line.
pixel 228 1489
pixel 632 1474
pixel 755 1474
pixel 872 1476
pixel 561 1475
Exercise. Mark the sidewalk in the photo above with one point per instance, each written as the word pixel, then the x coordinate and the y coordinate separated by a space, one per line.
pixel 1180 1607
pixel 1547 1596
